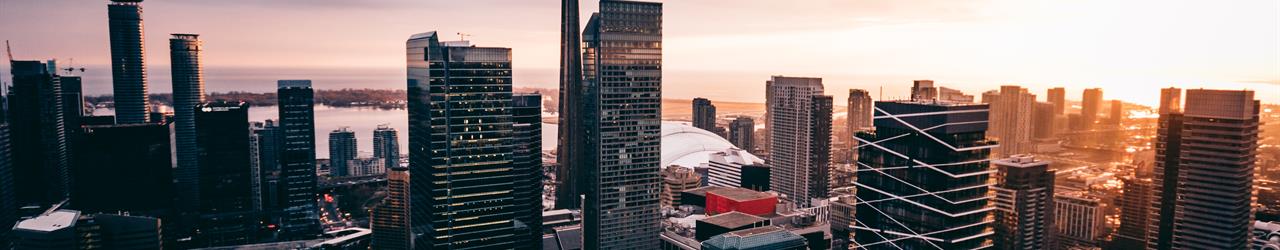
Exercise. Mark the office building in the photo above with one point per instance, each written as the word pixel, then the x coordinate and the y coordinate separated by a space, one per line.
pixel 526 162
pixel 1024 203
pixel 1117 112
pixel 923 90
pixel 225 178
pixel 795 114
pixel 951 158
pixel 390 220
pixel 71 229
pixel 188 92
pixel 756 177
pixel 139 153
pixel 1044 121
pixel 128 61
pixel 300 216
pixel 759 238
pixel 37 132
pixel 725 167
pixel 266 136
pixel 704 114
pixel 1204 171
pixel 1077 220
pixel 386 145
pixel 72 110
pixel 571 160
pixel 952 95
pixel 622 120
pixel 1058 97
pixel 342 148
pixel 859 111
pixel 465 155
pixel 675 180
pixel 741 133
pixel 1090 105
pixel 1135 206
pixel 1011 120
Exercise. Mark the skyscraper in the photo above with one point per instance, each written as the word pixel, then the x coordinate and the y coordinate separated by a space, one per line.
pixel 386 145
pixel 741 133
pixel 37 132
pixel 526 139
pixel 268 139
pixel 924 182
pixel 570 159
pixel 1090 105
pixel 109 154
pixel 622 76
pixel 1117 112
pixel 188 91
pixel 342 148
pixel 1170 101
pixel 1043 121
pixel 390 219
pixel 1135 207
pixel 1011 120
pixel 72 111
pixel 795 126
pixel 225 177
pixel 1205 157
pixel 1077 220
pixel 1024 203
pixel 128 61
pixel 704 114
pixel 859 111
pixel 1058 97
pixel 8 200
pixel 923 90
pixel 297 158
pixel 461 193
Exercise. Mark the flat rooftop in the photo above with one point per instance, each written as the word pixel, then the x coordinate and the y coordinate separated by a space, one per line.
pixel 741 194
pixel 733 220
pixel 50 222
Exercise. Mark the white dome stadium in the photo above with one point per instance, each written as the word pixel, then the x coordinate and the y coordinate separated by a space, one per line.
pixel 687 146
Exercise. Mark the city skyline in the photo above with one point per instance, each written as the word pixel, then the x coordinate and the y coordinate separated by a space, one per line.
pixel 979 45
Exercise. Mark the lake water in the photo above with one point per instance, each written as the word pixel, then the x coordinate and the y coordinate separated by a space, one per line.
pixel 362 121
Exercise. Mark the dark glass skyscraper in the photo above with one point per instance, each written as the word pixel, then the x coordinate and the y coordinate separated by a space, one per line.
pixel 297 159
pixel 621 114
pixel 704 114
pixel 570 159
pixel 188 91
pixel 126 167
pixel 8 200
pixel 37 132
pixel 917 185
pixel 226 194
pixel 72 111
pixel 342 148
pixel 386 145
pixel 526 141
pixel 128 66
pixel 460 151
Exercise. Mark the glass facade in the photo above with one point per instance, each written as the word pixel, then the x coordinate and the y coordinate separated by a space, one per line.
pixel 128 66
pixel 226 209
pixel 188 91
pixel 460 146
pixel 526 119
pixel 297 159
pixel 37 131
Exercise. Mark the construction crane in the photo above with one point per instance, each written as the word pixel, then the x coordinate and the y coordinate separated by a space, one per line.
pixel 8 50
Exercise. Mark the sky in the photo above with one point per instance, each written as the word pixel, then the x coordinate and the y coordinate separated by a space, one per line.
pixel 723 50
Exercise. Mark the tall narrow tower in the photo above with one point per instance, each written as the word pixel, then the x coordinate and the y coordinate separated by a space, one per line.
pixel 570 139
pixel 795 119
pixel 128 61
pixel 298 158
pixel 188 92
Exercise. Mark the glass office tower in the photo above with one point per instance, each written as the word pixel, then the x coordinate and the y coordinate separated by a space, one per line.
pixel 526 112
pixel 297 158
pixel 40 159
pixel 225 175
pixel 460 152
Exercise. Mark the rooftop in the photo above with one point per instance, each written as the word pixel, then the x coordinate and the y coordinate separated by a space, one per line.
pixel 740 194
pixel 733 220
pixel 49 222
pixel 1020 161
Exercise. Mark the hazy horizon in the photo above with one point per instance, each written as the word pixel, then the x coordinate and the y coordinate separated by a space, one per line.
pixel 709 46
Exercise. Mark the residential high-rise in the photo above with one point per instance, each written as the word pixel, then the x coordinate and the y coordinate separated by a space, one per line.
pixel 390 220
pixel 386 145
pixel 923 90
pixel 297 158
pixel 267 134
pixel 622 76
pixel 1135 207
pixel 526 159
pixel 1011 120
pixel 795 126
pixel 1090 105
pixel 461 146
pixel 859 111
pixel 952 95
pixel 1058 97
pixel 1204 171
pixel 704 114
pixel 342 148
pixel 226 210
pixel 571 160
pixel 924 184
pixel 1024 203
pixel 38 134
pixel 741 133
pixel 820 146
pixel 725 167
pixel 128 61
pixel 188 92
pixel 1077 220
pixel 139 153
pixel 1170 101
pixel 1117 112
pixel 72 110
pixel 1044 121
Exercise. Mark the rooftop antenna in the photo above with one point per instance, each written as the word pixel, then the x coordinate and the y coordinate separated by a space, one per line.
pixel 463 36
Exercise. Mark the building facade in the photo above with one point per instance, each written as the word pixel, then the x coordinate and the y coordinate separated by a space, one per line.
pixel 1077 220
pixel 386 145
pixel 40 159
pixel 1011 120
pixel 571 138
pixel 128 61
pixel 188 92
pixel 342 148
pixel 526 140
pixel 226 211
pixel 299 214
pixel 1058 97
pixel 390 220
pixel 1024 203
pixel 741 133
pixel 795 114
pixel 1090 105
pixel 704 114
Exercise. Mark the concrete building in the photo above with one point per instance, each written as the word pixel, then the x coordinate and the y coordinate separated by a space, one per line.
pixel 386 145
pixel 1058 97
pixel 1024 203
pixel 1044 121
pixel 1077 220
pixel 741 133
pixel 923 90
pixel 952 95
pixel 1090 106
pixel 390 220
pixel 704 114
pixel 342 148
pixel 1011 120
pixel 676 180
pixel 795 114
pixel 128 61
pixel 1135 207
